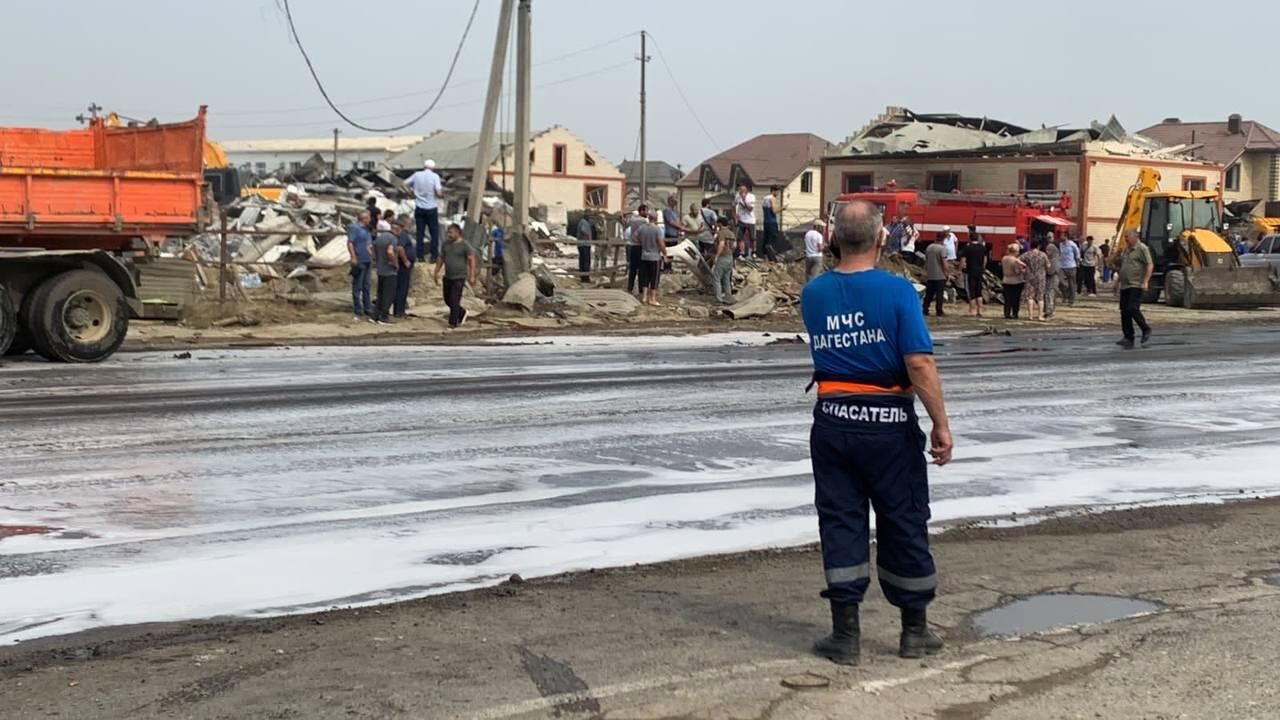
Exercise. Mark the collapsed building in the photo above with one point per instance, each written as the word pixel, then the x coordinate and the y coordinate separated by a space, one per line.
pixel 1094 166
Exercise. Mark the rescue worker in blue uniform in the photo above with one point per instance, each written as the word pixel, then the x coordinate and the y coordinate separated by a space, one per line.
pixel 872 357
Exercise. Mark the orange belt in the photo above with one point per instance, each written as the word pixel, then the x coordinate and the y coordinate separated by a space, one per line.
pixel 836 387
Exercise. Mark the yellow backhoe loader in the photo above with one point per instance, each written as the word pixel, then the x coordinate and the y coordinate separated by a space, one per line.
pixel 1195 266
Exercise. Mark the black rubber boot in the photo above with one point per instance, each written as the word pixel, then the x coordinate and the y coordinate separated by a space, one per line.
pixel 842 646
pixel 917 639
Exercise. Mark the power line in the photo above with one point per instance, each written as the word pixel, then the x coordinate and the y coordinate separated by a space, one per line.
pixel 428 91
pixel 680 91
pixel 319 85
pixel 461 103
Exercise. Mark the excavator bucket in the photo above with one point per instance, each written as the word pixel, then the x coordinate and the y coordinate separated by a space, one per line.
pixel 1232 287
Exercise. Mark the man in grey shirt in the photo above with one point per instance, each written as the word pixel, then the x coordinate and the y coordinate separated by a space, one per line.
pixel 388 267
pixel 652 251
pixel 935 274
pixel 637 221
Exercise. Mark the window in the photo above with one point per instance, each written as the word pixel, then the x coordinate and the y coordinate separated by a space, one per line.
pixel 1192 183
pixel 945 181
pixel 1038 180
pixel 1232 180
pixel 295 166
pixel 806 181
pixel 355 164
pixel 709 182
pixel 260 168
pixel 368 164
pixel 856 182
pixel 588 160
pixel 558 160
pixel 595 196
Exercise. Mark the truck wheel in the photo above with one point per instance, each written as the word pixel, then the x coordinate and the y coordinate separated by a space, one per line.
pixel 77 316
pixel 20 345
pixel 1175 288
pixel 8 321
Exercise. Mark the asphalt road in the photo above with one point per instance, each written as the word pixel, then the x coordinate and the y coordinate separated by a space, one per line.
pixel 273 481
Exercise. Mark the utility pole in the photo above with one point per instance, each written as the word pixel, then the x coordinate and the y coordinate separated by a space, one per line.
pixel 335 153
pixel 644 166
pixel 475 235
pixel 517 251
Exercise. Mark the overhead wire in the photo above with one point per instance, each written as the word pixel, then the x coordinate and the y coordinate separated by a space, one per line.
pixel 428 91
pixel 680 91
pixel 461 103
pixel 293 30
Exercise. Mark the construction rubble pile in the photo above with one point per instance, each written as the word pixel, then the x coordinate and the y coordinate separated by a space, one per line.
pixel 312 218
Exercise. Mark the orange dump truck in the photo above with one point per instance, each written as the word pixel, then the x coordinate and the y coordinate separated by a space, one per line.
pixel 77 209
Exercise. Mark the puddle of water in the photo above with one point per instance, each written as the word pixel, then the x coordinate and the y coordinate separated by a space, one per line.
pixel 1038 613
pixel 1272 579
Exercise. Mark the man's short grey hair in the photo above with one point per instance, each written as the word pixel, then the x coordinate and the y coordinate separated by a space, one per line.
pixel 857 227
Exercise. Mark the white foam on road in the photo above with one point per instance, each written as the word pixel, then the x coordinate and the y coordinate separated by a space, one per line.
pixel 272 510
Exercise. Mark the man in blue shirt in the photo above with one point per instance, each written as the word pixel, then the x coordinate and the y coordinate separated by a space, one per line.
pixel 872 356
pixel 495 233
pixel 427 191
pixel 671 225
pixel 1069 261
pixel 359 247
pixel 585 233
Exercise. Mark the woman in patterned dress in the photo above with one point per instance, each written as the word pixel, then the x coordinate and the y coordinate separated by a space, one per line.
pixel 1037 263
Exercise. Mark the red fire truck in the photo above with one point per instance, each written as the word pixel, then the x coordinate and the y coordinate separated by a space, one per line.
pixel 1001 218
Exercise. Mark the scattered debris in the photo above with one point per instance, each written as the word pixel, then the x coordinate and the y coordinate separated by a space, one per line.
pixel 241 320
pixel 806 681
pixel 759 304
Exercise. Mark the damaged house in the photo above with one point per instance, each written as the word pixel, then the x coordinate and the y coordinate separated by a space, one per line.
pixel 1094 166
pixel 565 173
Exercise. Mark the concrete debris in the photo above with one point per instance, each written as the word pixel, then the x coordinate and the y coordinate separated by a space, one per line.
pixel 758 305
pixel 523 293
pixel 612 302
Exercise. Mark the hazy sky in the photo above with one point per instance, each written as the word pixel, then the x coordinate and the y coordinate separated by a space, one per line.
pixel 823 66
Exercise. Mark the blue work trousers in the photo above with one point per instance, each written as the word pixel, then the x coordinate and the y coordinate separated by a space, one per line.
pixel 869 451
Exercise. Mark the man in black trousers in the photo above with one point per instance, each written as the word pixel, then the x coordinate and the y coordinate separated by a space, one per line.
pixel 1134 267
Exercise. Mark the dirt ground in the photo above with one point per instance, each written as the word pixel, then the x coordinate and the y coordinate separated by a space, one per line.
pixel 726 637
pixel 321 314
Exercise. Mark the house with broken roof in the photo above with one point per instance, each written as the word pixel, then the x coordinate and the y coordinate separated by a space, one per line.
pixel 565 170
pixel 1248 150
pixel 791 161
pixel 660 176
pixel 1094 166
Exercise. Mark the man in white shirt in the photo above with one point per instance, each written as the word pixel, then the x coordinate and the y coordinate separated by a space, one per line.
pixel 814 244
pixel 744 211
pixel 949 242
pixel 427 191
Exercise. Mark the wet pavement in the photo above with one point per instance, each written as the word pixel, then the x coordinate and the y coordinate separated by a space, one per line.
pixel 258 482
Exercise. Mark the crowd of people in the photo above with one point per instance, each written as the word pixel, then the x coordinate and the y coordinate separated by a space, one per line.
pixel 721 240
pixel 1035 273
pixel 379 245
